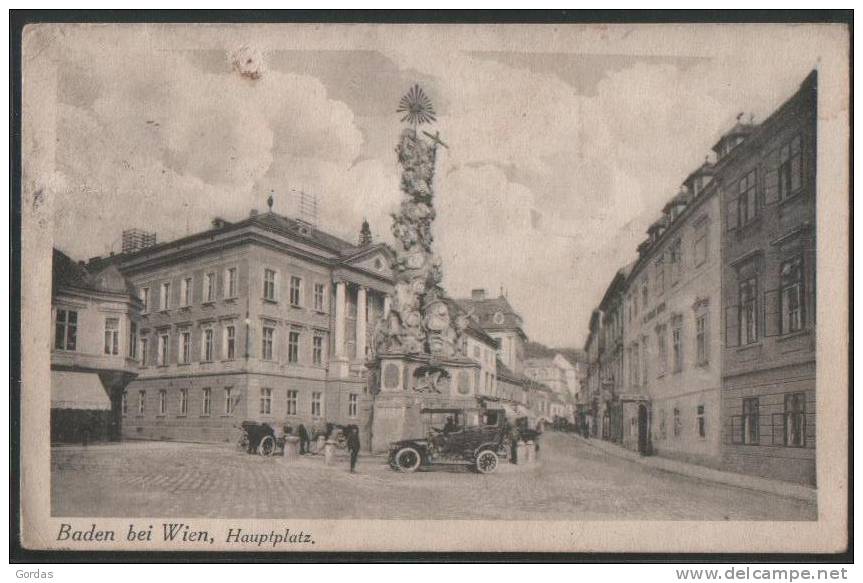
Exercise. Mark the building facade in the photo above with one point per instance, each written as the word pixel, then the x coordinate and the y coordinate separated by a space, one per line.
pixel 500 321
pixel 719 329
pixel 93 350
pixel 672 328
pixel 768 272
pixel 265 319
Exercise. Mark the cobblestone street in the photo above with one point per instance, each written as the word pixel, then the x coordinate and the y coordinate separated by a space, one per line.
pixel 572 481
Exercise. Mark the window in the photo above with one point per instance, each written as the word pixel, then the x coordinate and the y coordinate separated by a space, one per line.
pixel 270 285
pixel 66 330
pixel 674 258
pixel 142 396
pixel 699 422
pixel 662 345
pixel 316 404
pixel 702 354
pixel 124 403
pixel 144 295
pixel 795 419
pixel 230 342
pixel 145 351
pixel 293 346
pixel 186 291
pixel 659 281
pixel 165 298
pixel 319 297
pixel 748 302
pixel 206 402
pixel 700 247
pixel 207 345
pixel 133 340
pixel 677 347
pixel 163 401
pixel 164 346
pixel 295 289
pixel 231 282
pixel 750 422
pixel 209 287
pixel 267 342
pixel 790 296
pixel 353 404
pixel 663 429
pixel 678 424
pixel 644 293
pixel 317 349
pixel 790 168
pixel 635 305
pixel 476 352
pixel 229 401
pixel 746 199
pixel 266 401
pixel 644 360
pixel 112 336
pixel 184 402
pixel 185 347
pixel 292 402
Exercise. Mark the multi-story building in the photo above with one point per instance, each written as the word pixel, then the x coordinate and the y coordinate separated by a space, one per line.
pixel 93 350
pixel 497 317
pixel 768 197
pixel 546 371
pixel 719 328
pixel 263 319
pixel 604 348
pixel 672 328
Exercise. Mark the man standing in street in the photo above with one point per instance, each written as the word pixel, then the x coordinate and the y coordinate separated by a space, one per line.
pixel 354 445
pixel 304 439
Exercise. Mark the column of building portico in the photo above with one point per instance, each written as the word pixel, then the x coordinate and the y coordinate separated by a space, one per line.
pixel 341 364
pixel 361 323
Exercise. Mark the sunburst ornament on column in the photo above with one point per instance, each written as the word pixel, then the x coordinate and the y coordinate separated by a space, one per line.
pixel 416 107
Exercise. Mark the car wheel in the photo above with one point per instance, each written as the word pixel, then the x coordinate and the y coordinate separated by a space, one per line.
pixel 486 461
pixel 267 446
pixel 407 459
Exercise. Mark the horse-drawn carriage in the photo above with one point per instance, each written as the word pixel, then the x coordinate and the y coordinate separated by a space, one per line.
pixel 266 439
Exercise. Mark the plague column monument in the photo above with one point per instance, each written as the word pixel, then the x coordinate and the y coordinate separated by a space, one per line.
pixel 419 361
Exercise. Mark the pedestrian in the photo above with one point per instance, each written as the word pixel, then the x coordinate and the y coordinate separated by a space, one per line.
pixel 354 445
pixel 304 439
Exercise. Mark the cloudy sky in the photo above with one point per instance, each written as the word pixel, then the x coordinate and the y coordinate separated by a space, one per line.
pixel 564 141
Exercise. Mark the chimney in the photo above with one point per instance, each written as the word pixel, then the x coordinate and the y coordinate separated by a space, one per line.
pixel 477 294
pixel 253 213
pixel 219 223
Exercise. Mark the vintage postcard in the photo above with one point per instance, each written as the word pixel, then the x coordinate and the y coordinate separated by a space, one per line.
pixel 435 287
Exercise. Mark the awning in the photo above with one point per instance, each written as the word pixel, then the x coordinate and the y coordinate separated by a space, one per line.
pixel 78 390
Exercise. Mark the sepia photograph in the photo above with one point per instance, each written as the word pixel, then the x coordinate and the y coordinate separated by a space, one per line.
pixel 563 287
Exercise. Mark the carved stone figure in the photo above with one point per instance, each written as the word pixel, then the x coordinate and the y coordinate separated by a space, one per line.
pixel 420 321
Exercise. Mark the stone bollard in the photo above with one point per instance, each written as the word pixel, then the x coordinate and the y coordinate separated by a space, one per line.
pixel 319 444
pixel 292 448
pixel 329 452
pixel 531 452
pixel 520 453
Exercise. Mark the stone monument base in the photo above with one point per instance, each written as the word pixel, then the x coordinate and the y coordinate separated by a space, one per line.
pixel 409 383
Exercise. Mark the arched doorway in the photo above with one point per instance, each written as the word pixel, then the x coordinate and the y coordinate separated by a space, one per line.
pixel 643 430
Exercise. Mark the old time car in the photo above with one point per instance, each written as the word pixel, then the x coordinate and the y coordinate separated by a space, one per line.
pixel 478 438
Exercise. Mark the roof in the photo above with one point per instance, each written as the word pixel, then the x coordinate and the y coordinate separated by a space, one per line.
pixel 484 312
pixel 105 278
pixel 739 129
pixel 270 221
pixel 472 326
pixel 504 372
